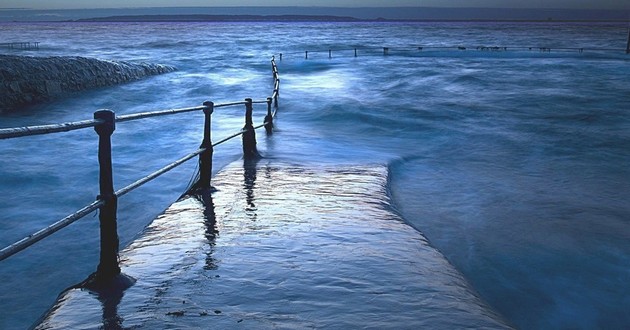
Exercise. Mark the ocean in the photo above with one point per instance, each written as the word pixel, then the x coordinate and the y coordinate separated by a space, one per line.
pixel 511 161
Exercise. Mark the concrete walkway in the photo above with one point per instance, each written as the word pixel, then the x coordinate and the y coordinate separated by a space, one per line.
pixel 282 247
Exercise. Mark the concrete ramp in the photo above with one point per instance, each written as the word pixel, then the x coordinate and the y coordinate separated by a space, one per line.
pixel 282 247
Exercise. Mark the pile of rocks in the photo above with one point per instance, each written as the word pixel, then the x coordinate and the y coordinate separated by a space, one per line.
pixel 26 80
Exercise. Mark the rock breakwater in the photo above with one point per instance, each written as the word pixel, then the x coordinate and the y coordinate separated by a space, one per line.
pixel 26 80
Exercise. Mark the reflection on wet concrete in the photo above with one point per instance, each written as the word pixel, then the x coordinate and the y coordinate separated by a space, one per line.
pixel 109 303
pixel 108 297
pixel 210 223
pixel 249 184
pixel 278 246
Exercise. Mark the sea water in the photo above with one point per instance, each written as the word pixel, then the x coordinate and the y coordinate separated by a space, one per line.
pixel 512 163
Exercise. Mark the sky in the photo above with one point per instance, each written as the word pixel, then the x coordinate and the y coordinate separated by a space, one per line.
pixel 84 4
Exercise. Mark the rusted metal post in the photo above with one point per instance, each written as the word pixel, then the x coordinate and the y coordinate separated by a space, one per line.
pixel 269 118
pixel 249 134
pixel 385 51
pixel 205 158
pixel 108 267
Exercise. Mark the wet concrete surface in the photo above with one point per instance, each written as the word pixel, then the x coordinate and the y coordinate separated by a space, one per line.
pixel 279 246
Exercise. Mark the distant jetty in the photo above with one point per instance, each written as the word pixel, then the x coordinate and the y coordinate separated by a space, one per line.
pixel 26 80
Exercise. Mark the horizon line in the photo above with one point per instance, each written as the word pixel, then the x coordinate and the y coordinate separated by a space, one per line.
pixel 332 7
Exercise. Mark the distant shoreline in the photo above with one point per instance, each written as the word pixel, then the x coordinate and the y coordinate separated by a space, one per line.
pixel 320 18
pixel 317 14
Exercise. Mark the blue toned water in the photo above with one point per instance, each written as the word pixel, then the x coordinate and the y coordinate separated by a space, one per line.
pixel 512 164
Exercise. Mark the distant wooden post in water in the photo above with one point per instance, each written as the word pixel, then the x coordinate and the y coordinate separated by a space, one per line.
pixel 205 158
pixel 108 267
pixel 306 55
pixel 385 51
pixel 628 43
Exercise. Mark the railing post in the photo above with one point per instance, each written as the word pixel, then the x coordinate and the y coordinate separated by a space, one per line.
pixel 205 158
pixel 269 118
pixel 249 134
pixel 108 267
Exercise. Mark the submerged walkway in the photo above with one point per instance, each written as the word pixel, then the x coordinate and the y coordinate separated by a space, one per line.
pixel 282 247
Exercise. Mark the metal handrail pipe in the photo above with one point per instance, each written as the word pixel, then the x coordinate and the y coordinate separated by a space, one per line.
pixel 222 105
pixel 38 236
pixel 139 183
pixel 7 133
pixel 229 138
pixel 100 203
pixel 141 115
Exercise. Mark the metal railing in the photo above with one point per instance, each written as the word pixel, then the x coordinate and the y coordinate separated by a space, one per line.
pixel 357 51
pixel 104 124
pixel 30 45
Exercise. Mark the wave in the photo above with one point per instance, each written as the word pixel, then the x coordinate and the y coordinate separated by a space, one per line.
pixel 513 230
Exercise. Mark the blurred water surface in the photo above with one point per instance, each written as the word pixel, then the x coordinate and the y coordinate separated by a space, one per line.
pixel 513 164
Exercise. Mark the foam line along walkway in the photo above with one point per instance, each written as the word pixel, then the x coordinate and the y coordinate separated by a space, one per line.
pixel 282 247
